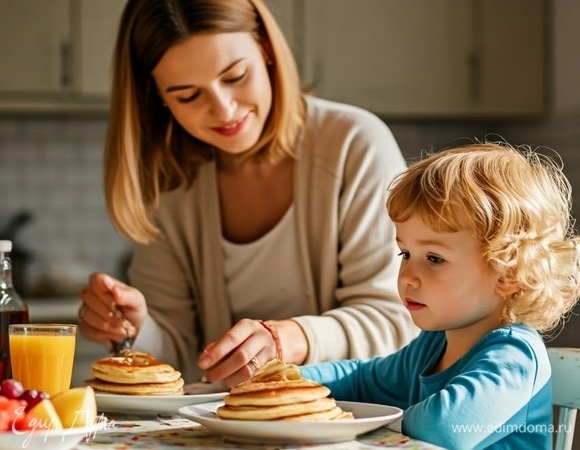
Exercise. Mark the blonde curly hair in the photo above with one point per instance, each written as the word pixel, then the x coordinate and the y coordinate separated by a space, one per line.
pixel 517 203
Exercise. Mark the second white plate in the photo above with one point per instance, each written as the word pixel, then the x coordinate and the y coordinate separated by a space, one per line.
pixel 367 418
pixel 160 404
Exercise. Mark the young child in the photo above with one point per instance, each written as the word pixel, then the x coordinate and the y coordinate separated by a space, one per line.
pixel 489 261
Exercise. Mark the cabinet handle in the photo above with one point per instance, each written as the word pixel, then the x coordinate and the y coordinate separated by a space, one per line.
pixel 65 64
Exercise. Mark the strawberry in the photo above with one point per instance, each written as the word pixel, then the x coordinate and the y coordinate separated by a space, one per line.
pixel 13 415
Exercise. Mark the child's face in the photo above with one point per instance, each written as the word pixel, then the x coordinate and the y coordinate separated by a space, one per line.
pixel 444 281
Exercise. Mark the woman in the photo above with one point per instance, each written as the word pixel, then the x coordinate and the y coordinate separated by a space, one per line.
pixel 246 200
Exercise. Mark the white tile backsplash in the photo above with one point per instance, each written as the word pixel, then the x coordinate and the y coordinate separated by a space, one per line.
pixel 53 167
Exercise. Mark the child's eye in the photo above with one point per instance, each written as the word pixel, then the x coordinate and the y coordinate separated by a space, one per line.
pixel 435 259
pixel 405 255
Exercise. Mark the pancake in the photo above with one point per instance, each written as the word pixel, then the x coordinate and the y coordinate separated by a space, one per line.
pixel 275 412
pixel 169 388
pixel 277 391
pixel 134 368
pixel 135 373
pixel 284 396
pixel 246 388
pixel 335 413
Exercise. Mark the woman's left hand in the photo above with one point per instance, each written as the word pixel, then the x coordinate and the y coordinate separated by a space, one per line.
pixel 241 351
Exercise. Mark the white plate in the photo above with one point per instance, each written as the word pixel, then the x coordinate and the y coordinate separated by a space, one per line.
pixel 367 418
pixel 46 440
pixel 152 404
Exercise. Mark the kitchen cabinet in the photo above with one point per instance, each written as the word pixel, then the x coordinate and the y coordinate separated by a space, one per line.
pixel 56 54
pixel 423 58
pixel 400 59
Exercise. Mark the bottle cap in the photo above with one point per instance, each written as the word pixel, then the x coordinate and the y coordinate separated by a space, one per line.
pixel 5 246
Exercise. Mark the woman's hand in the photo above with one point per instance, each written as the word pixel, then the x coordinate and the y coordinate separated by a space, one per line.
pixel 111 310
pixel 247 346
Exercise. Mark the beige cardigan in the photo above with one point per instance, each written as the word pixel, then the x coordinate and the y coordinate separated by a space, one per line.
pixel 346 158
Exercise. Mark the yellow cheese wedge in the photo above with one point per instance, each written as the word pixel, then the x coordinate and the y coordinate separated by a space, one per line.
pixel 44 416
pixel 76 407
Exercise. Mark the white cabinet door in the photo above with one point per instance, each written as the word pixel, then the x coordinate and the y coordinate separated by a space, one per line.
pixel 422 58
pixel 389 56
pixel 97 32
pixel 35 46
pixel 56 54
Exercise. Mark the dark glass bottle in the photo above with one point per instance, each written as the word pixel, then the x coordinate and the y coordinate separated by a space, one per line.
pixel 12 308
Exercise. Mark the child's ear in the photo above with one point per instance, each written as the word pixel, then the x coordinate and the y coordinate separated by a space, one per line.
pixel 506 287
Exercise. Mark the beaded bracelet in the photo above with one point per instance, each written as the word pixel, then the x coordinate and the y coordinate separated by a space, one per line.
pixel 275 336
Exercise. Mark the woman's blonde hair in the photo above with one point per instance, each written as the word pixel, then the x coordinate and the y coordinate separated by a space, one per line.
pixel 517 203
pixel 147 152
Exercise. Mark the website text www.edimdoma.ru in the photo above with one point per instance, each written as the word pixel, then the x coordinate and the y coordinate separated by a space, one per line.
pixel 510 428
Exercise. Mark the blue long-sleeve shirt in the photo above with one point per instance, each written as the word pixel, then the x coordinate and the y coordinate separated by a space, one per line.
pixel 498 396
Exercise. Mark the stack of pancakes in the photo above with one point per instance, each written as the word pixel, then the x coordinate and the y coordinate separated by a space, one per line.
pixel 135 373
pixel 278 392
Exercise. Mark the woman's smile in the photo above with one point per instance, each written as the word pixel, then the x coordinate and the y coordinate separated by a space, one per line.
pixel 232 128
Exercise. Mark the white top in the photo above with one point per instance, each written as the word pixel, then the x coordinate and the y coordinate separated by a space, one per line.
pixel 265 268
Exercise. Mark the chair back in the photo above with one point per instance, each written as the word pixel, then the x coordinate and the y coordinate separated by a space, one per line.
pixel 565 364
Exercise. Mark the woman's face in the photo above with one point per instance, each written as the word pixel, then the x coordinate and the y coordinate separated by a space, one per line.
pixel 217 87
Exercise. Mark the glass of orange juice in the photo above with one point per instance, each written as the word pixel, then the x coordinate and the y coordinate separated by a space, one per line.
pixel 42 355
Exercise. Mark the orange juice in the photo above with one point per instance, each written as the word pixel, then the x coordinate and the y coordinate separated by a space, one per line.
pixel 42 356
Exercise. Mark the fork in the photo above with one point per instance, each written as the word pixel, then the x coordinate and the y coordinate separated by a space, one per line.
pixel 119 348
